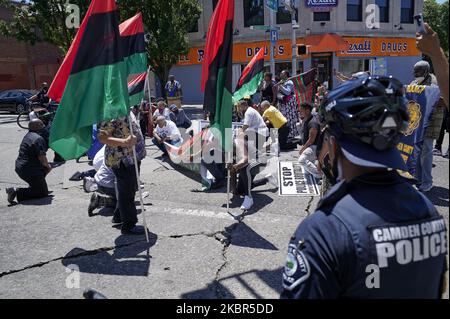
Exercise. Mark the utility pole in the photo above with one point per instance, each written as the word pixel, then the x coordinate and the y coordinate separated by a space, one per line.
pixel 291 6
pixel 272 43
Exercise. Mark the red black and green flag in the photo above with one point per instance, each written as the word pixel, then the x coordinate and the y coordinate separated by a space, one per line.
pixel 133 44
pixel 304 86
pixel 217 70
pixel 96 86
pixel 136 89
pixel 251 77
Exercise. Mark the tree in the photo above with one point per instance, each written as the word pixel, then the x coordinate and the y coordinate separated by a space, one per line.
pixel 166 21
pixel 436 15
pixel 41 20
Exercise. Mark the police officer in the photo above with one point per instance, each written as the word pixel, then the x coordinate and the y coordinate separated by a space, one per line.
pixel 373 235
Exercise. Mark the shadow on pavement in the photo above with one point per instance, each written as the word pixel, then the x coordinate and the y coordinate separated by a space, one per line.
pixel 127 259
pixel 38 202
pixel 244 236
pixel 439 196
pixel 217 289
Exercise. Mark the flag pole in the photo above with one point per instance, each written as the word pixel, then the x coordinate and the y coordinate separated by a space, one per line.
pixel 150 115
pixel 228 190
pixel 141 199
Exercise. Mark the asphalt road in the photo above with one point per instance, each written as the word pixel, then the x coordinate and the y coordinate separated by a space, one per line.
pixel 51 249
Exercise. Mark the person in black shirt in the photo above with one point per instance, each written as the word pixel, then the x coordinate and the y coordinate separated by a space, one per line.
pixel 31 165
pixel 268 90
pixel 310 136
pixel 42 97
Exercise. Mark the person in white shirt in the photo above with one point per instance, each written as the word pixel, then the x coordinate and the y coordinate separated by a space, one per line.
pixel 166 132
pixel 162 110
pixel 253 122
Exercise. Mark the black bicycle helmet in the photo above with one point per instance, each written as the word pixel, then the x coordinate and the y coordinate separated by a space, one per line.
pixel 372 110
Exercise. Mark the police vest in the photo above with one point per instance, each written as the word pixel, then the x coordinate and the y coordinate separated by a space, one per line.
pixel 399 259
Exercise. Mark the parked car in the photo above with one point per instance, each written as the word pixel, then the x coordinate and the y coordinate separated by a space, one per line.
pixel 15 101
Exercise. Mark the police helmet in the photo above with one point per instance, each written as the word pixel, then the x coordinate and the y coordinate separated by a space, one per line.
pixel 368 115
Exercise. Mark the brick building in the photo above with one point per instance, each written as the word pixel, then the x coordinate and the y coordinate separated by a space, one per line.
pixel 26 66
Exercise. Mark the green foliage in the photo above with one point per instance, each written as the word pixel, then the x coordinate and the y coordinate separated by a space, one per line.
pixel 436 15
pixel 40 20
pixel 166 22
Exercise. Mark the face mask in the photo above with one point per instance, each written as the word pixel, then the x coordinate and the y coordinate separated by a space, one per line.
pixel 420 79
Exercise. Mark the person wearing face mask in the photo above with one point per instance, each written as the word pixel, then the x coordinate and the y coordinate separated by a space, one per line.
pixel 373 221
pixel 422 76
pixel 31 165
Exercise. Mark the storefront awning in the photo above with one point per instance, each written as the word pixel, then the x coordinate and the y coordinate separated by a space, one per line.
pixel 329 42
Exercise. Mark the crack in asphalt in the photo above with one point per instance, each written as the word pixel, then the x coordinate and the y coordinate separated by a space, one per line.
pixel 226 240
pixel 308 207
pixel 106 249
pixel 85 253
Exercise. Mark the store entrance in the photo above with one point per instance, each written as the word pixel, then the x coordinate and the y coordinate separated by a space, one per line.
pixel 324 64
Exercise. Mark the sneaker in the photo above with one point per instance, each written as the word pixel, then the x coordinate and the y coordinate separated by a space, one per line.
pixel 94 203
pixel 272 180
pixel 247 204
pixel 89 185
pixel 437 152
pixel 446 155
pixel 11 192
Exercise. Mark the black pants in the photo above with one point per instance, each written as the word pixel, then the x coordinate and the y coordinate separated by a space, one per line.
pixel 126 191
pixel 111 193
pixel 246 179
pixel 444 127
pixel 283 134
pixel 38 187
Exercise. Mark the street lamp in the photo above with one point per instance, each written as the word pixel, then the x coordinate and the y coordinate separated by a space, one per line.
pixel 291 6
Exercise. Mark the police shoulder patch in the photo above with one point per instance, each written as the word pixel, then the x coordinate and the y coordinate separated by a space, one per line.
pixel 296 269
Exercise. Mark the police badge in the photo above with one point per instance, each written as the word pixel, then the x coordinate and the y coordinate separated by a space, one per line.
pixel 296 269
pixel 415 115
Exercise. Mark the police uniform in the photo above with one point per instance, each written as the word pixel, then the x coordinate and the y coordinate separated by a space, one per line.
pixel 374 237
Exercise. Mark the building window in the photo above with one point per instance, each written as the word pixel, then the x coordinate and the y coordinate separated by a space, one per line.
pixel 253 12
pixel 407 15
pixel 321 16
pixel 215 2
pixel 354 10
pixel 283 15
pixel 348 67
pixel 384 10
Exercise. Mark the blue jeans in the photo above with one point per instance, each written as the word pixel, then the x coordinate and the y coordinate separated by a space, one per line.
pixel 425 164
pixel 162 147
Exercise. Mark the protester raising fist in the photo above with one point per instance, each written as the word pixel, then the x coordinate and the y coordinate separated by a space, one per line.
pixel 429 44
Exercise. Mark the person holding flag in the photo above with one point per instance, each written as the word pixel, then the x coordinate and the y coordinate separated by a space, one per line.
pixel 92 87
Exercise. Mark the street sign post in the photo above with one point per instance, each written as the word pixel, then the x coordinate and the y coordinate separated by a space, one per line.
pixel 264 27
pixel 273 36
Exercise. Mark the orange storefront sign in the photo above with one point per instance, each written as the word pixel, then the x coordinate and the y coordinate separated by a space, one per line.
pixel 380 47
pixel 244 52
